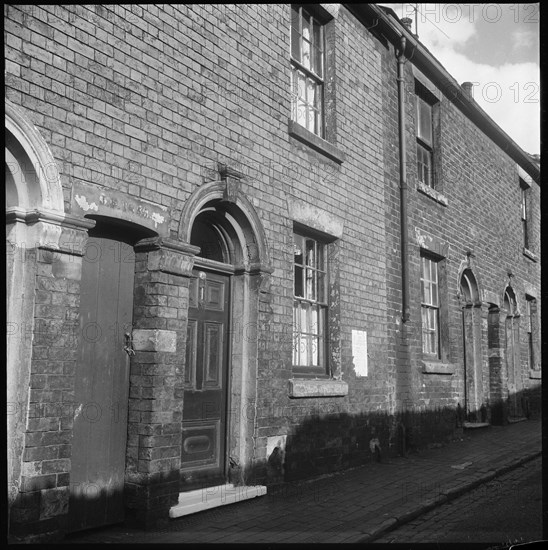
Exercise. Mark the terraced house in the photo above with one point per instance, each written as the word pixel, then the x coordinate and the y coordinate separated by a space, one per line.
pixel 246 245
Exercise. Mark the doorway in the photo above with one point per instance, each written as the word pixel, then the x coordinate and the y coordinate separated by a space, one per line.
pixel 102 381
pixel 207 357
pixel 512 354
pixel 472 348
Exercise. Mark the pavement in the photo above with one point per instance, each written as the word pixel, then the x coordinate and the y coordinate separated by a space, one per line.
pixel 357 505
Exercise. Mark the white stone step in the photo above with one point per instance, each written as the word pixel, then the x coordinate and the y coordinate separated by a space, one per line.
pixel 213 497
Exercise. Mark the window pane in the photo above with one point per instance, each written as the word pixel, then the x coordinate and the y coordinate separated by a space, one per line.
pixel 312 123
pixel 321 287
pixel 298 249
pixel 425 332
pixel 310 253
pixel 313 320
pixel 299 281
pixel 310 284
pixel 424 126
pixel 424 163
pixel 306 26
pixel 295 34
pixel 305 54
pixel 318 49
pixel 313 351
pixel 434 301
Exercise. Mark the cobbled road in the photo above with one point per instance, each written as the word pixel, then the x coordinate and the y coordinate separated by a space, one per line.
pixel 506 510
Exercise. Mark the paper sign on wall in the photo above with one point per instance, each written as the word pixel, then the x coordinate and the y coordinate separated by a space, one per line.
pixel 359 352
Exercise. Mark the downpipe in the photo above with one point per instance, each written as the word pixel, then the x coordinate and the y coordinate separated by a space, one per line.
pixel 403 183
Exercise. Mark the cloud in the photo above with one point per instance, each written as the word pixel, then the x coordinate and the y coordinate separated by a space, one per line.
pixel 522 39
pixel 509 93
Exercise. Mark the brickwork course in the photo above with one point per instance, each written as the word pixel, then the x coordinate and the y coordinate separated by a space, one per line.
pixel 143 125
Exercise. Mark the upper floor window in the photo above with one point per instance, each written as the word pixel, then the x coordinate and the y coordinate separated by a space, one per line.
pixel 430 307
pixel 425 136
pixel 309 306
pixel 307 70
pixel 524 192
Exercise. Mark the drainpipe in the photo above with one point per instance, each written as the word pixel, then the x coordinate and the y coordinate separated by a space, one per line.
pixel 403 184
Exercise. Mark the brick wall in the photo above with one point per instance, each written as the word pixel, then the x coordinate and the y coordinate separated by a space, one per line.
pixel 145 102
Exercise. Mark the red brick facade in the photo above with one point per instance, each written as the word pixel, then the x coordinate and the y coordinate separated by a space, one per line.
pixel 141 118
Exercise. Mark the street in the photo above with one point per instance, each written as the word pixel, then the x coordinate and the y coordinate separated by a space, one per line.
pixel 506 510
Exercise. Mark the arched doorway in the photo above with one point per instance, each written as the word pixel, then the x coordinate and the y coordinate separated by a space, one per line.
pixel 472 347
pixel 221 352
pixel 33 196
pixel 207 364
pixel 512 354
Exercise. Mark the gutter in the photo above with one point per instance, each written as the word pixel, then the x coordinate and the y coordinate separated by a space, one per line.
pixel 371 15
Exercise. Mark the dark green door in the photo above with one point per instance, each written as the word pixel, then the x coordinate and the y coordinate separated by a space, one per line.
pixel 203 460
pixel 101 385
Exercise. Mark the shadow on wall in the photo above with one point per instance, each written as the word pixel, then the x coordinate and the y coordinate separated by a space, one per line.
pixel 324 444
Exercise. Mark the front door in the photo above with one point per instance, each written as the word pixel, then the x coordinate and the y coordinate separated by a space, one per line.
pixel 203 461
pixel 101 385
pixel 472 364
pixel 512 367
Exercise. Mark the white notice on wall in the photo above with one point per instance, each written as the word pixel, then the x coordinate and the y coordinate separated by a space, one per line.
pixel 359 352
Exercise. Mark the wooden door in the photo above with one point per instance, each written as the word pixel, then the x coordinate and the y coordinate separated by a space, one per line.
pixel 203 460
pixel 101 385
pixel 472 363
pixel 513 367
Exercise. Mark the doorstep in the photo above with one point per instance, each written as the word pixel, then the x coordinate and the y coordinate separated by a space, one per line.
pixel 207 498
pixel 476 424
pixel 516 419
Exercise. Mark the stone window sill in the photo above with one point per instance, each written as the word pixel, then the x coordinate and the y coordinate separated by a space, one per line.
pixel 317 143
pixel 437 367
pixel 535 373
pixel 530 255
pixel 317 388
pixel 432 193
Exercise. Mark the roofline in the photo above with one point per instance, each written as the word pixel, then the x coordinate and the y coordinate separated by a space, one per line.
pixel 393 30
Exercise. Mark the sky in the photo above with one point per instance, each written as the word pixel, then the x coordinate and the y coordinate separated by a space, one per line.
pixel 495 46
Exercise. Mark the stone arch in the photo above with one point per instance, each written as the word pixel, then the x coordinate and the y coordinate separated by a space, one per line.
pixel 243 251
pixel 31 164
pixel 510 302
pixel 240 216
pixel 468 287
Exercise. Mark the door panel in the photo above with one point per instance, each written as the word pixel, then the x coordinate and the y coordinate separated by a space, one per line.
pixel 206 377
pixel 101 385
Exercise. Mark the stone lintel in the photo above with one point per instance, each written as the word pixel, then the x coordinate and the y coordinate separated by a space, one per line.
pixel 154 340
pixel 92 199
pixel 431 243
pixel 315 218
pixel 317 388
pixel 437 367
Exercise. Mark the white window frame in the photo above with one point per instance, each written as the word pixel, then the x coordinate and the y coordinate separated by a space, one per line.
pixel 307 72
pixel 310 307
pixel 430 307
